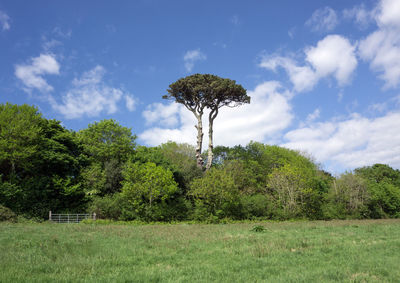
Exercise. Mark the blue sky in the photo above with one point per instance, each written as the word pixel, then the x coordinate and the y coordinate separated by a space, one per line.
pixel 324 76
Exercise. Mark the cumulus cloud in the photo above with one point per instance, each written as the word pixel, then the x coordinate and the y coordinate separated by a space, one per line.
pixel 267 115
pixel 332 56
pixel 191 57
pixel 176 126
pixel 351 142
pixel 160 113
pixel 388 13
pixel 4 20
pixel 323 20
pixel 89 96
pixel 31 74
pixel 303 78
pixel 382 47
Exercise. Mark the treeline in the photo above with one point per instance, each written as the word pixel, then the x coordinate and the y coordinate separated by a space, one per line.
pixel 101 169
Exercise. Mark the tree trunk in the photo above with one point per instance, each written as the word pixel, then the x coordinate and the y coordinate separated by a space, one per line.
pixel 200 134
pixel 210 146
pixel 210 156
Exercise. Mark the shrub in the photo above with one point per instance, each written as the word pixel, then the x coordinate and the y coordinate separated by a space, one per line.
pixel 149 191
pixel 384 200
pixel 107 207
pixel 7 214
pixel 258 205
pixel 216 194
pixel 347 198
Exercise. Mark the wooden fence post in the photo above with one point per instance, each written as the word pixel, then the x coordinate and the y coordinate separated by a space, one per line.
pixel 94 215
pixel 50 215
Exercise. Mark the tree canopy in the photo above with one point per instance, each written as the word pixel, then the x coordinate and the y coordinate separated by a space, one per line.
pixel 107 145
pixel 40 163
pixel 205 91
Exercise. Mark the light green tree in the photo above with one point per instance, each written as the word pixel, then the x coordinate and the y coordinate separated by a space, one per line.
pixel 289 184
pixel 108 145
pixel 106 140
pixel 20 129
pixel 216 193
pixel 147 188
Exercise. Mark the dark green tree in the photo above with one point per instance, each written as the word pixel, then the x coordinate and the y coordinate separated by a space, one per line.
pixel 204 91
pixel 40 163
pixel 383 184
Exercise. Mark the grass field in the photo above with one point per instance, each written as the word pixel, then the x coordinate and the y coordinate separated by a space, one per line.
pixel 346 251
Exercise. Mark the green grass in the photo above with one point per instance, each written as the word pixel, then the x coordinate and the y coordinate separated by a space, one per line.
pixel 345 251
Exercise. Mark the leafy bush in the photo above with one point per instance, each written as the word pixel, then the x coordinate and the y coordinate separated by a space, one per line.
pixel 11 195
pixel 149 191
pixel 216 194
pixel 383 184
pixel 347 198
pixel 7 214
pixel 107 207
pixel 384 200
pixel 258 205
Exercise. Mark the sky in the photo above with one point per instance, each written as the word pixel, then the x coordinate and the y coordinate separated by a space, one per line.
pixel 323 76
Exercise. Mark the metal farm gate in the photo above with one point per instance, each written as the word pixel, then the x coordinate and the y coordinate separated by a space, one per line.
pixel 70 217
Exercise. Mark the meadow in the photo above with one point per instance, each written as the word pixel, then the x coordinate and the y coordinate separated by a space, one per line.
pixel 302 251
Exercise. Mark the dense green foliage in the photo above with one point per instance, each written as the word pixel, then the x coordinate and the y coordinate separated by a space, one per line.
pixel 40 163
pixel 44 166
pixel 107 146
pixel 148 190
pixel 312 251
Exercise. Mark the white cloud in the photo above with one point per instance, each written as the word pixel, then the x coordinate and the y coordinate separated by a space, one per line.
pixel 313 116
pixel 388 13
pixel 382 47
pixel 130 102
pixel 378 107
pixel 50 44
pixel 160 113
pixel 352 142
pixel 263 119
pixel 333 56
pixel 90 97
pixel 62 33
pixel 191 57
pixel 324 19
pixel 303 78
pixel 90 78
pixel 177 126
pixel 31 74
pixel 292 32
pixel 360 14
pixel 4 20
